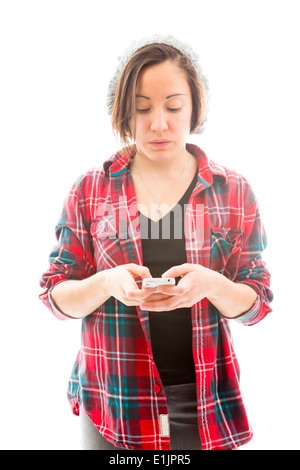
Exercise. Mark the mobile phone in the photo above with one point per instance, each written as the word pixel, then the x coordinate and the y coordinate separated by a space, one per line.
pixel 158 281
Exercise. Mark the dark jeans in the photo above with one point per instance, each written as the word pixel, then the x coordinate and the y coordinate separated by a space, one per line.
pixel 184 433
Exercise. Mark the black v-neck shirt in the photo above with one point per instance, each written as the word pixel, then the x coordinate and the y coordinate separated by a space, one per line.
pixel 163 245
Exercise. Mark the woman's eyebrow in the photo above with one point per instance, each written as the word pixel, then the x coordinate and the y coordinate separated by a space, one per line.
pixel 176 94
pixel 167 98
pixel 141 96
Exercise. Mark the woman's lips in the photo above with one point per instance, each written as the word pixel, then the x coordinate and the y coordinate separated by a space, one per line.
pixel 160 143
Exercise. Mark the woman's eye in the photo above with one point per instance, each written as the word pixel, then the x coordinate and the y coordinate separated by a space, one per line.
pixel 146 110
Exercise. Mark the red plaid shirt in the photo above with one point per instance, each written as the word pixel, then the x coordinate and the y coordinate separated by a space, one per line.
pixel 115 379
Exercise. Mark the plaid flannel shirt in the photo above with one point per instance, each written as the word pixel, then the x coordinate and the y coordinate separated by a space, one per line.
pixel 114 378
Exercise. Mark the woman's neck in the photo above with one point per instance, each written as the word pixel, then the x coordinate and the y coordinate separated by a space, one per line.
pixel 168 168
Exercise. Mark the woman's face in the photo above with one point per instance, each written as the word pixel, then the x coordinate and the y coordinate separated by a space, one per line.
pixel 163 113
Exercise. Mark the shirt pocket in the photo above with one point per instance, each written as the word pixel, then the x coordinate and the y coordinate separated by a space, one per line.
pixel 225 249
pixel 104 227
pixel 107 249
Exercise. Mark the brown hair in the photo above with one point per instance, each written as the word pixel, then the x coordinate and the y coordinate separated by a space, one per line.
pixel 124 105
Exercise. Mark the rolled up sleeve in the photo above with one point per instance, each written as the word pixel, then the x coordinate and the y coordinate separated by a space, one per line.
pixel 72 256
pixel 252 270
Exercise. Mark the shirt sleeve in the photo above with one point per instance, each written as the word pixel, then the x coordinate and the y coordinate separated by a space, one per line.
pixel 252 270
pixel 72 257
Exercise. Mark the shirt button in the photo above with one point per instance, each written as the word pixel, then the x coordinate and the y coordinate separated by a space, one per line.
pixel 156 388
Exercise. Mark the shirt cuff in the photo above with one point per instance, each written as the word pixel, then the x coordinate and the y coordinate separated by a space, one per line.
pixel 57 312
pixel 249 317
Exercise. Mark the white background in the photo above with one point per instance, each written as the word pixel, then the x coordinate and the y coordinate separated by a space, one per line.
pixel 56 60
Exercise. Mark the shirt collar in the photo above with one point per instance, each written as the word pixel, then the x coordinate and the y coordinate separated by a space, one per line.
pixel 207 169
pixel 118 164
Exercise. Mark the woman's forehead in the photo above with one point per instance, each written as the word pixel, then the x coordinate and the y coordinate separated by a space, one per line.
pixel 166 77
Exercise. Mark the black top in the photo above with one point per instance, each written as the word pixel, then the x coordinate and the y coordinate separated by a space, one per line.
pixel 163 245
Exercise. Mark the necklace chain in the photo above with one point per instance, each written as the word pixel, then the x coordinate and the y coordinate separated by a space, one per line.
pixel 158 203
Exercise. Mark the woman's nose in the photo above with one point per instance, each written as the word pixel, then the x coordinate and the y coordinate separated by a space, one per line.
pixel 159 122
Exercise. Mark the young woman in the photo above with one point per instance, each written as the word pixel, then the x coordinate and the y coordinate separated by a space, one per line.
pixel 157 368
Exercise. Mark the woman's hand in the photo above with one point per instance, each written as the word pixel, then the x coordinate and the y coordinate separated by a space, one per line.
pixel 80 298
pixel 120 283
pixel 231 299
pixel 196 283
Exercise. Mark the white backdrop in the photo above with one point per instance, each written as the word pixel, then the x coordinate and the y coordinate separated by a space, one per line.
pixel 56 60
